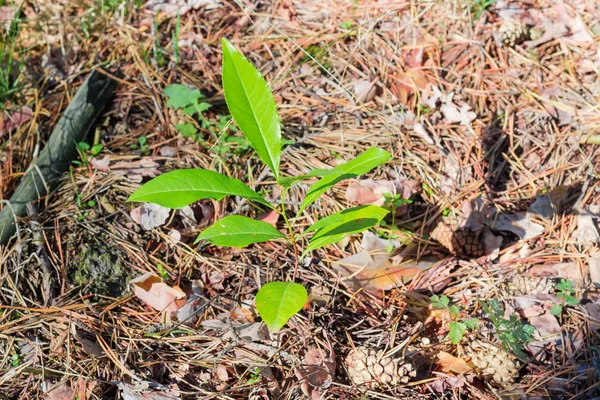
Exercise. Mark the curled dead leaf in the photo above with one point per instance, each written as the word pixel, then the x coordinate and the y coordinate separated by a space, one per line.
pixel 151 289
pixel 449 363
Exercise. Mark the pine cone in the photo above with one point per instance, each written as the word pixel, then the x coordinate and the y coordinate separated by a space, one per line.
pixel 369 367
pixel 494 362
pixel 512 32
pixel 525 285
pixel 459 241
pixel 258 394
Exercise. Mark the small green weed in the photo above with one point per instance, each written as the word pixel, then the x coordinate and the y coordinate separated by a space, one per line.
pixel 512 332
pixel 459 325
pixel 141 145
pixel 85 150
pixel 565 292
pixel 481 6
pixel 8 62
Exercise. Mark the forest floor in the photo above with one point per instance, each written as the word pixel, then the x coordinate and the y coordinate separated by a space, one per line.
pixel 489 269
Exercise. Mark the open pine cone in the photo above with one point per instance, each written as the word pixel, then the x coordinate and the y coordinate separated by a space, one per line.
pixel 525 285
pixel 491 361
pixel 369 367
pixel 459 241
pixel 512 32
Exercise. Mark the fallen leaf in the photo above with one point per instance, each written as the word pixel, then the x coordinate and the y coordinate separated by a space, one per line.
pixel 150 215
pixel 594 267
pixel 547 330
pixel 446 383
pixel 568 270
pixel 519 223
pixel 548 204
pixel 100 165
pixel 168 151
pixel 316 372
pixel 64 391
pixel 475 214
pixel 7 13
pixel 172 8
pixel 151 289
pixel 148 391
pixel 17 118
pixel 462 115
pixel 366 90
pixel 135 171
pixel 271 217
pixel 374 192
pixel 449 363
pixel 221 373
pixel 587 226
pixel 593 310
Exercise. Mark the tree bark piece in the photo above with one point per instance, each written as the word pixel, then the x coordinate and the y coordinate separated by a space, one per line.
pixel 45 172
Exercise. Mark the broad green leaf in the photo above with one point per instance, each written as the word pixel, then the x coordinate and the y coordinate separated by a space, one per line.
pixel 177 189
pixel 277 302
pixel 365 162
pixel 181 96
pixel 238 231
pixel 457 330
pixel 335 233
pixel 196 108
pixel 556 309
pixel 252 106
pixel 187 130
pixel 289 181
pixel 351 214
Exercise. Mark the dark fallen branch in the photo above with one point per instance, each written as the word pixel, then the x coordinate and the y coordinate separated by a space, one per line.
pixel 45 172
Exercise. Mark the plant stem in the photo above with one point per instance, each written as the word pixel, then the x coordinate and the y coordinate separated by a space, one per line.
pixel 291 230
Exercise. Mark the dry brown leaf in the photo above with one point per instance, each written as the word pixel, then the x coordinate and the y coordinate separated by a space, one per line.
pixel 594 267
pixel 366 90
pixel 449 363
pixel 101 164
pixel 587 226
pixel 547 204
pixel 373 192
pixel 316 372
pixel 148 391
pixel 17 118
pixel 518 223
pixel 150 215
pixel 151 289
pixel 135 171
pixel 271 217
pixel 62 392
pixel 569 271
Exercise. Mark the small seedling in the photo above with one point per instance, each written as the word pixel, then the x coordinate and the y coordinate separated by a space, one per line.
pixel 458 325
pixel 141 145
pixel 85 150
pixel 15 361
pixel 162 272
pixel 254 376
pixel 512 332
pixel 253 108
pixel 565 292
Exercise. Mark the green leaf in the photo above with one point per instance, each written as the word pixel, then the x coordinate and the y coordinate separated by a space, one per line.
pixel 196 108
pixel 238 231
pixel 471 323
pixel 180 96
pixel 365 162
pixel 349 215
pixel 252 106
pixel 440 301
pixel 457 330
pixel 187 130
pixel 277 302
pixel 572 301
pixel 334 234
pixel 289 181
pixel 177 189
pixel 556 309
